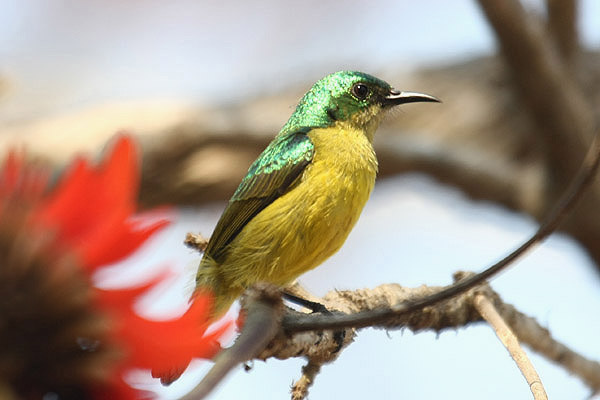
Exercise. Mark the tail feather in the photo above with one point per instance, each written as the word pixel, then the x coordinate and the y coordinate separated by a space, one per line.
pixel 209 278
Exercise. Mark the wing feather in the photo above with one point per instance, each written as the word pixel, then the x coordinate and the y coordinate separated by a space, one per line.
pixel 279 165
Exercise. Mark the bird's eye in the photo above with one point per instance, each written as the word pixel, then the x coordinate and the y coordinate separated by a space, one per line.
pixel 360 91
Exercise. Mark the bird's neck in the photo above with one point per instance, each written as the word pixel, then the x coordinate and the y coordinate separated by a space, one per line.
pixel 346 150
pixel 366 121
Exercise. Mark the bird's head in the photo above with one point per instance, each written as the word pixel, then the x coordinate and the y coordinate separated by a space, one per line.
pixel 352 98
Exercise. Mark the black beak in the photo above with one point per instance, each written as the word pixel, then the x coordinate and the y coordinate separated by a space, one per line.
pixel 395 98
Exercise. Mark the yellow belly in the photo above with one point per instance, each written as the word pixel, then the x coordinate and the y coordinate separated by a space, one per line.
pixel 309 223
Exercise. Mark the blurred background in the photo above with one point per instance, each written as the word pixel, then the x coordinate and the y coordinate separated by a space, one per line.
pixel 205 85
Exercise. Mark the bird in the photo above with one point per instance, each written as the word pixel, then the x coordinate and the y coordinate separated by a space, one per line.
pixel 305 192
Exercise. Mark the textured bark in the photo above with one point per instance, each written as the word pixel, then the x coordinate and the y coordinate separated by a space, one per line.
pixel 325 346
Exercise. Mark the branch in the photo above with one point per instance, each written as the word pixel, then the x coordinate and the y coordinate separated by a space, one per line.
pixel 263 316
pixel 195 241
pixel 541 341
pixel 554 100
pixel 562 24
pixel 309 372
pixel 510 341
pixel 475 171
pixel 459 311
pixel 321 347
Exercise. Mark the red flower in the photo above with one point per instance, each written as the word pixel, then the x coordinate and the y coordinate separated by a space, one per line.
pixel 88 218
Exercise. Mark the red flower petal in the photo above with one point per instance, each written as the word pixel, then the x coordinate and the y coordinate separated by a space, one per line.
pixel 165 347
pixel 115 240
pixel 90 207
pixel 86 196
pixel 90 211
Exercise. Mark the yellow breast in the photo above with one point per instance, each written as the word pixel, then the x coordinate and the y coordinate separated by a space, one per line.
pixel 309 223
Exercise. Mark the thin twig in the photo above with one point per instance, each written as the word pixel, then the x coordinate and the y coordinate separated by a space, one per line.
pixel 539 339
pixel 565 204
pixel 195 241
pixel 510 341
pixel 263 315
pixel 309 372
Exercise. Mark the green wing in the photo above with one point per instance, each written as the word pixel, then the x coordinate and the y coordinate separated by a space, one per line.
pixel 268 178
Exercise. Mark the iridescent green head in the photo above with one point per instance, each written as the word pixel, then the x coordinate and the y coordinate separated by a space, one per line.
pixel 348 96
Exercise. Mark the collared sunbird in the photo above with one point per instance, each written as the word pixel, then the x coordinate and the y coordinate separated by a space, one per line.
pixel 305 191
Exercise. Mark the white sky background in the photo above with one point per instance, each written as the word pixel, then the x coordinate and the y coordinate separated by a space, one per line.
pixel 73 54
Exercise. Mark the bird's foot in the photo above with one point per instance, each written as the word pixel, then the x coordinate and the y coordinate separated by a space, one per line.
pixel 315 307
pixel 311 305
